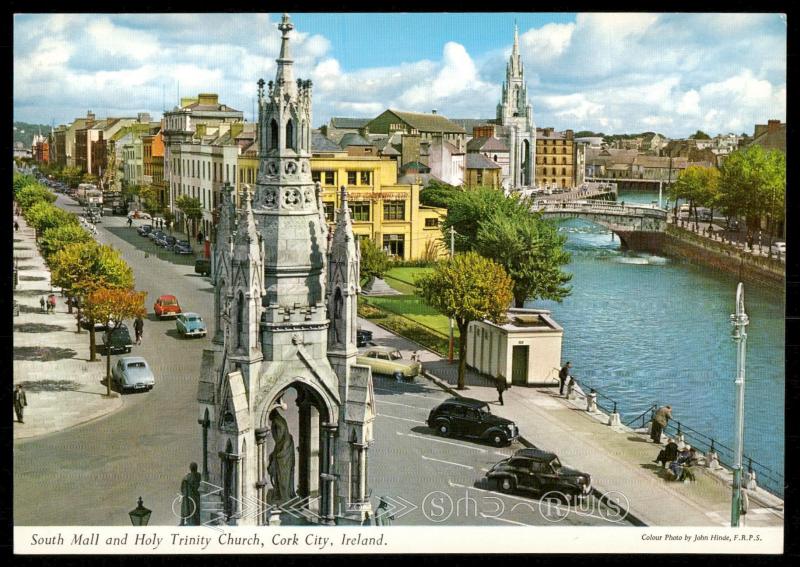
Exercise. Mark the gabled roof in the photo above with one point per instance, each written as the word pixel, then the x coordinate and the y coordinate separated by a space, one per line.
pixel 428 122
pixel 421 167
pixel 320 143
pixel 349 123
pixel 352 139
pixel 480 161
pixel 486 145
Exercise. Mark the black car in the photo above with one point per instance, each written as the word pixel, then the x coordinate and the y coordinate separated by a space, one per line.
pixel 202 267
pixel 155 234
pixel 145 229
pixel 363 337
pixel 164 240
pixel 538 471
pixel 467 417
pixel 182 247
pixel 119 210
pixel 117 340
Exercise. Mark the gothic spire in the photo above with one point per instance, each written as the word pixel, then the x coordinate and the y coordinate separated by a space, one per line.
pixel 515 50
pixel 284 78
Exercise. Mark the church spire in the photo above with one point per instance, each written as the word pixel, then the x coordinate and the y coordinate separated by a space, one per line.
pixel 515 50
pixel 284 78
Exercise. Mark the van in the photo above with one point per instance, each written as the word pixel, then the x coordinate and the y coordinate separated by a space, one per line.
pixel 202 267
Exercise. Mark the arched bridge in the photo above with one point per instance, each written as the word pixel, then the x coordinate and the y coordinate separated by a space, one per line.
pixel 632 223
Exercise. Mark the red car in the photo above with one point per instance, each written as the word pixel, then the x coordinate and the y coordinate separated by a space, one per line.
pixel 167 306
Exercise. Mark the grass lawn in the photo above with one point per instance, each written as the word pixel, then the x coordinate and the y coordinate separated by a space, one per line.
pixel 402 279
pixel 413 308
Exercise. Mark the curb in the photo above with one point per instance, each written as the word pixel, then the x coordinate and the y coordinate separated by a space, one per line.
pixel 629 516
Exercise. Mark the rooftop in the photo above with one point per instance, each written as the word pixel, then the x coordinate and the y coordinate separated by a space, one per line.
pixel 428 122
pixel 480 161
pixel 349 123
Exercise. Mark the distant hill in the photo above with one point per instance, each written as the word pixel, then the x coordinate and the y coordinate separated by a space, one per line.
pixel 24 132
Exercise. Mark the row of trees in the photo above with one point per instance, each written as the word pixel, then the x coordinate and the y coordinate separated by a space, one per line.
pixel 751 183
pixel 94 275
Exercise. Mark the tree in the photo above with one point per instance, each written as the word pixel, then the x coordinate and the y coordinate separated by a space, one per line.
pixel 114 305
pixel 467 209
pixel 697 184
pixel 22 180
pixel 532 252
pixel 57 237
pixel 699 135
pixel 374 260
pixel 89 178
pixel 84 267
pixel 148 195
pixel 31 194
pixel 71 175
pixel 438 194
pixel 169 218
pixel 192 210
pixel 44 215
pixel 467 287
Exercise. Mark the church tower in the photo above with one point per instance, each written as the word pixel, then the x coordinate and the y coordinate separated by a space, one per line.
pixel 286 413
pixel 515 114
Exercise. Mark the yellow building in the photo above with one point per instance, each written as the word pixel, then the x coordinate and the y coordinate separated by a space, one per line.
pixel 555 158
pixel 381 209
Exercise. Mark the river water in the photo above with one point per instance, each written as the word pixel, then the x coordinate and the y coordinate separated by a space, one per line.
pixel 646 329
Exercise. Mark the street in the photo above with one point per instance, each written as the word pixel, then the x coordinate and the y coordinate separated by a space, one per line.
pixel 93 474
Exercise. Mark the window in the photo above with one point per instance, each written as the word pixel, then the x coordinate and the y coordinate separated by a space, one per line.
pixel 563 171
pixel 290 135
pixel 431 223
pixel 316 176
pixel 479 177
pixel 273 138
pixel 359 210
pixel 495 157
pixel 351 177
pixel 394 244
pixel 365 177
pixel 328 206
pixel 329 178
pixel 394 210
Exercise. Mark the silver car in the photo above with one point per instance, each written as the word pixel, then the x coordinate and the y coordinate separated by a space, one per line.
pixel 132 373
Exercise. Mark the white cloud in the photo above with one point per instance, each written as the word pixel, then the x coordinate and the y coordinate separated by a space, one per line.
pixel 689 103
pixel 546 42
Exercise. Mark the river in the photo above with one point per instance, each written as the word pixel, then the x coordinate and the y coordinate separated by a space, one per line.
pixel 647 329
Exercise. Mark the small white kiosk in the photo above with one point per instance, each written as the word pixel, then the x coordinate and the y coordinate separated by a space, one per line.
pixel 524 350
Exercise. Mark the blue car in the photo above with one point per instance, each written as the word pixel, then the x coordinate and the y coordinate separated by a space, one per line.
pixel 190 325
pixel 132 373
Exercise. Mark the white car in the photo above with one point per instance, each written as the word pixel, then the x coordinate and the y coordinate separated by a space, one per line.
pixel 139 215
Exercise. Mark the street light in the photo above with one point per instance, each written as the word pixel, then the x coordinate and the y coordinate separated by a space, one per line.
pixel 140 515
pixel 739 320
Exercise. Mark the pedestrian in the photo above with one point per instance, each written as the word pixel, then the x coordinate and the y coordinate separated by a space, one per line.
pixel 138 328
pixel 52 303
pixel 199 237
pixel 563 374
pixel 501 387
pixel 660 420
pixel 382 516
pixel 19 402
pixel 16 226
pixel 750 240
pixel 130 221
pixel 42 303
pixel 190 497
pixel 667 454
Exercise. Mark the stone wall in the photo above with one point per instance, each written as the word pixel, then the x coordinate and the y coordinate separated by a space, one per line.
pixel 681 243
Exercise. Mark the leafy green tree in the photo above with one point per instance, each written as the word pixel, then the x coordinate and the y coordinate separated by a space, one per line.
pixel 84 267
pixel 71 175
pixel 149 197
pixel 89 178
pixel 22 180
pixel 532 252
pixel 57 237
pixel 34 193
pixel 467 287
pixel 114 305
pixel 192 210
pixel 44 215
pixel 699 185
pixel 699 135
pixel 169 218
pixel 374 260
pixel 438 194
pixel 467 209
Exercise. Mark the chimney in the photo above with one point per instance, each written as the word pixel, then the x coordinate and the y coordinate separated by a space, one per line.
pixel 208 98
pixel 410 150
pixel 570 134
pixel 433 111
pixel 773 126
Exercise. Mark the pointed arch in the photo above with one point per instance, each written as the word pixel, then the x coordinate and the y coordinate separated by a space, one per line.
pixel 273 135
pixel 240 320
pixel 290 135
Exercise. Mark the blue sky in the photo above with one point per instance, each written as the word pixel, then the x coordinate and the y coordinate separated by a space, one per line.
pixel 616 73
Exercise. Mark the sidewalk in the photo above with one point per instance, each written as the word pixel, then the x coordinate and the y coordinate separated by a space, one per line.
pixel 618 458
pixel 62 388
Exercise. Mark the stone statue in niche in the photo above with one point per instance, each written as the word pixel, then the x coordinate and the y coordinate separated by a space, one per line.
pixel 281 461
pixel 291 168
pixel 338 304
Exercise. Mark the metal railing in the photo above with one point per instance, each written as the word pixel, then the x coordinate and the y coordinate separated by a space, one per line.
pixel 603 207
pixel 769 479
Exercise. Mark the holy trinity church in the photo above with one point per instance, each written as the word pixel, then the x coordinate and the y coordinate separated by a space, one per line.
pixel 286 414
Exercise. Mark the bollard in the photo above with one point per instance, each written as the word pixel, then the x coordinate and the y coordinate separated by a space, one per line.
pixel 614 420
pixel 750 477
pixel 712 460
pixel 591 402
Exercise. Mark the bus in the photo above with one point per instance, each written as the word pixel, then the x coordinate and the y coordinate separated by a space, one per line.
pixel 80 193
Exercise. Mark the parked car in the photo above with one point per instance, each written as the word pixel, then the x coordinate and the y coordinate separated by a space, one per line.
pixel 733 225
pixel 99 326
pixel 363 337
pixel 118 340
pixel 467 417
pixel 182 247
pixel 704 214
pixel 202 267
pixel 132 373
pixel 389 360
pixel 155 234
pixel 538 471
pixel 164 240
pixel 145 229
pixel 166 306
pixel 190 325
pixel 139 215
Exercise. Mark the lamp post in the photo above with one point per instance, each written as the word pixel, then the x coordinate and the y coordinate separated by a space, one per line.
pixel 452 253
pixel 739 320
pixel 140 515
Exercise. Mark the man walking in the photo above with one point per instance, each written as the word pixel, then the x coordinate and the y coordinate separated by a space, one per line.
pixel 42 303
pixel 51 303
pixel 130 222
pixel 501 387
pixel 563 374
pixel 660 420
pixel 19 402
pixel 138 327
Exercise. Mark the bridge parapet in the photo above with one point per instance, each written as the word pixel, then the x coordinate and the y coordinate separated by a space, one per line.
pixel 600 208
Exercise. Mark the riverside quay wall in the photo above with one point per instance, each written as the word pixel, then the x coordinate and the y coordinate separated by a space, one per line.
pixel 679 242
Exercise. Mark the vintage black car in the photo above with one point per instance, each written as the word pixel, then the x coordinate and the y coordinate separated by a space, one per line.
pixel 363 337
pixel 117 340
pixel 182 247
pixel 466 417
pixel 538 471
pixel 145 229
